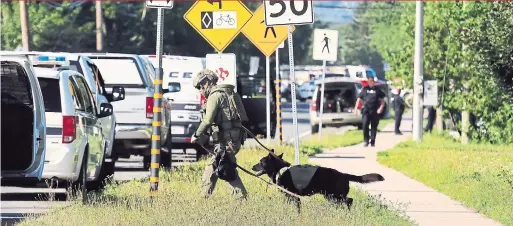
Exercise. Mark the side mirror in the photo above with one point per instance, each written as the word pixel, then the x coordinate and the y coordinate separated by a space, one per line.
pixel 118 93
pixel 106 109
pixel 173 87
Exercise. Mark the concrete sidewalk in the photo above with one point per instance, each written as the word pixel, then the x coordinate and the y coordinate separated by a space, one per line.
pixel 424 205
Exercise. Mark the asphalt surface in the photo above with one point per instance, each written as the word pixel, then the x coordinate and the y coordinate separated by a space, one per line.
pixel 17 202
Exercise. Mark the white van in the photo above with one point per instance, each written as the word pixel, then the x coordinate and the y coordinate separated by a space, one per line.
pixel 23 143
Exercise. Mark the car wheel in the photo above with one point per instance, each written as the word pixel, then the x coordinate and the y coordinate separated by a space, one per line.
pixel 146 162
pixel 80 184
pixel 315 129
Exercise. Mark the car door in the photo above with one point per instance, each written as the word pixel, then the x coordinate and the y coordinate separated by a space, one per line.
pixel 107 123
pixel 92 125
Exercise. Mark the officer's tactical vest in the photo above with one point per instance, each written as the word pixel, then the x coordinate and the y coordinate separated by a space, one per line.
pixel 301 175
pixel 232 110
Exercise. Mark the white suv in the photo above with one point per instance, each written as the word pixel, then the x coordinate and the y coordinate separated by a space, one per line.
pixel 75 143
pixel 94 78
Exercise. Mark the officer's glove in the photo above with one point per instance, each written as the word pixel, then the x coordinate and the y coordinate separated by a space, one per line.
pixel 201 140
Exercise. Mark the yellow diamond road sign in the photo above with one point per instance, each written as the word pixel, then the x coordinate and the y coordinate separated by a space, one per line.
pixel 218 21
pixel 266 39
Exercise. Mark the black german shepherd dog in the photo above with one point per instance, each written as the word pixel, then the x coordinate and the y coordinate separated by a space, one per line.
pixel 331 183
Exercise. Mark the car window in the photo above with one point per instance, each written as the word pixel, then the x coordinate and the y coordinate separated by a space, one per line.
pixel 77 100
pixel 150 70
pixel 98 79
pixel 85 94
pixel 15 84
pixel 51 94
pixel 359 74
pixel 119 71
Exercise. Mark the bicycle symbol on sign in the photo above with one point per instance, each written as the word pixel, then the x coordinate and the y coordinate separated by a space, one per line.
pixel 223 19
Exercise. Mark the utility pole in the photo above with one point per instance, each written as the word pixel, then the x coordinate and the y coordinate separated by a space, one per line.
pixel 418 74
pixel 24 21
pixel 99 33
pixel 465 114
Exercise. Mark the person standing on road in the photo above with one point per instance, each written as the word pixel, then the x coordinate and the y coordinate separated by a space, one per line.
pixel 431 119
pixel 224 115
pixel 399 106
pixel 373 104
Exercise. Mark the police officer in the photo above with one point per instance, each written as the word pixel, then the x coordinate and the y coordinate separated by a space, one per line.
pixel 223 115
pixel 399 106
pixel 373 104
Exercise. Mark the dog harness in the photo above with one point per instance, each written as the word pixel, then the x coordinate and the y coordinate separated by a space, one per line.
pixel 301 175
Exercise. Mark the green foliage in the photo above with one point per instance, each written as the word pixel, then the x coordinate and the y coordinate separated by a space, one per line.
pixel 480 176
pixel 467 47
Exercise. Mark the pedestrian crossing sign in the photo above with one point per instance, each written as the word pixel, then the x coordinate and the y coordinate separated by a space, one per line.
pixel 218 22
pixel 325 46
pixel 266 39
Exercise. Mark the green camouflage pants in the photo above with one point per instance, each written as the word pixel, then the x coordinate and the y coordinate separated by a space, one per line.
pixel 209 180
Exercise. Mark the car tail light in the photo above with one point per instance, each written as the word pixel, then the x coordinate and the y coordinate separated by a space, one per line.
pixel 202 100
pixel 149 107
pixel 313 105
pixel 69 132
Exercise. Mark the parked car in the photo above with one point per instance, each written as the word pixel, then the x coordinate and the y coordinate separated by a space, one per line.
pixel 94 78
pixel 134 115
pixel 306 91
pixel 185 115
pixel 23 122
pixel 339 100
pixel 75 142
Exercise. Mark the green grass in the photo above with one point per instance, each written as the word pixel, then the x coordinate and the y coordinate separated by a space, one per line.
pixel 480 176
pixel 179 203
pixel 312 145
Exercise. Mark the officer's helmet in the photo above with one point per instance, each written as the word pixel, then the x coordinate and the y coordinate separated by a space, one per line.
pixel 202 75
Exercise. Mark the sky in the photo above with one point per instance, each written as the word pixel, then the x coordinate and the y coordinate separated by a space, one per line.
pixel 336 16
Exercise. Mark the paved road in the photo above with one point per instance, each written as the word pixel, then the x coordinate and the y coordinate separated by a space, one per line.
pixel 17 201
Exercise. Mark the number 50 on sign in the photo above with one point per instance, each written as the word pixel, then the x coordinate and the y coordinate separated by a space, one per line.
pixel 288 12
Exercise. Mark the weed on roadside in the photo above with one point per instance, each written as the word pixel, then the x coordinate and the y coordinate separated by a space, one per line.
pixel 179 203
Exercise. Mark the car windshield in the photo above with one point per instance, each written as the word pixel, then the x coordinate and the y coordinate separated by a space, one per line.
pixel 119 71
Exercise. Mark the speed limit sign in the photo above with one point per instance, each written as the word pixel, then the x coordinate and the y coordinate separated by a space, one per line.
pixel 288 12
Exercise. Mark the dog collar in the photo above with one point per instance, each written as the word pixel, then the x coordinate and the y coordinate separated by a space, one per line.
pixel 280 172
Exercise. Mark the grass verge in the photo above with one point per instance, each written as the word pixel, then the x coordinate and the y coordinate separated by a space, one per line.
pixel 480 176
pixel 312 145
pixel 179 203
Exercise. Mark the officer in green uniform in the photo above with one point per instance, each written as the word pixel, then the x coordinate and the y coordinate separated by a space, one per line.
pixel 223 117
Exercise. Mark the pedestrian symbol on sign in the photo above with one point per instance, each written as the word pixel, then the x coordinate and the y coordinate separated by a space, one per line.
pixel 267 29
pixel 326 40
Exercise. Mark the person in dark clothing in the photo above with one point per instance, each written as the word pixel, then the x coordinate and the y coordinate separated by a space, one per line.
pixel 431 119
pixel 399 106
pixel 373 105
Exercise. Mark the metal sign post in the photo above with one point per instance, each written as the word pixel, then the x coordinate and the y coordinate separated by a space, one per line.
pixel 322 98
pixel 325 48
pixel 268 97
pixel 293 96
pixel 282 12
pixel 157 97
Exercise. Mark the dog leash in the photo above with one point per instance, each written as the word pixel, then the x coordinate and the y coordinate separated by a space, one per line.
pixel 263 146
pixel 254 175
